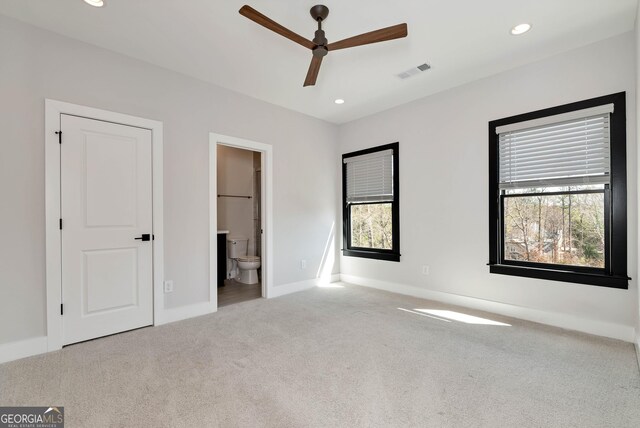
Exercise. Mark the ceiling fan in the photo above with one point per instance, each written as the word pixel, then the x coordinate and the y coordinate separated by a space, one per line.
pixel 320 46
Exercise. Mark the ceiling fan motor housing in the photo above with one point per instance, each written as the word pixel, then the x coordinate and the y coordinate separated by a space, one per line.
pixel 319 38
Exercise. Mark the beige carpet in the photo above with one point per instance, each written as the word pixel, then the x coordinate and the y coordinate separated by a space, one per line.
pixel 331 357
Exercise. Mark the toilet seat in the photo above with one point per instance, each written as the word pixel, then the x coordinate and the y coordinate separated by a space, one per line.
pixel 250 259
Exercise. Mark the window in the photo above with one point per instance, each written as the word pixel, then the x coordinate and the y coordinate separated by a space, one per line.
pixel 557 193
pixel 370 200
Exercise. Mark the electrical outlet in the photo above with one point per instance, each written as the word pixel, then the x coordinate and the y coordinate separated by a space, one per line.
pixel 425 270
pixel 303 264
pixel 168 286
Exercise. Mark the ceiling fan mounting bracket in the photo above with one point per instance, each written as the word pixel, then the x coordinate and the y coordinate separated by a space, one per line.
pixel 319 12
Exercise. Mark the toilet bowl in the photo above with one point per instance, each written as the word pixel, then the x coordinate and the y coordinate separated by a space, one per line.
pixel 248 266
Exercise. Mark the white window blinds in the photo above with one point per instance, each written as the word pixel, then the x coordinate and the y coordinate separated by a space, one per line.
pixel 566 149
pixel 370 177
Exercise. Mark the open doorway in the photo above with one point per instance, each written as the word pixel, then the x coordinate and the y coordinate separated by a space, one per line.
pixel 239 224
pixel 239 219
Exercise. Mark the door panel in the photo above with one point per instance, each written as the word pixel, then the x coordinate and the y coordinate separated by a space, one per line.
pixel 110 280
pixel 106 203
pixel 110 177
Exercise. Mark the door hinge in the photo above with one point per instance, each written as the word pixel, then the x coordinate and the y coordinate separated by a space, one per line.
pixel 59 134
pixel 60 224
pixel 61 309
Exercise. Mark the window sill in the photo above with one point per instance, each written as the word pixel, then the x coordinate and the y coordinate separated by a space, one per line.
pixel 378 255
pixel 600 280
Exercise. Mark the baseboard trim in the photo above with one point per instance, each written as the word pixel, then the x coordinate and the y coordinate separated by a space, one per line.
pixel 638 346
pixel 569 322
pixel 184 312
pixel 292 287
pixel 23 348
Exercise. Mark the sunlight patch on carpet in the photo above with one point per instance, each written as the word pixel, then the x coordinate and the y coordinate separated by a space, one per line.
pixel 459 316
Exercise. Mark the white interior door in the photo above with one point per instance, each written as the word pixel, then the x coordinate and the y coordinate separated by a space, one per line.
pixel 106 186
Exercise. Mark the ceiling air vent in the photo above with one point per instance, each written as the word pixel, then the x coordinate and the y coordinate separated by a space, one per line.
pixel 413 71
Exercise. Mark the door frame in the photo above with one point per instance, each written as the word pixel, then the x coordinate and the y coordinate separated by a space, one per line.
pixel 266 206
pixel 53 110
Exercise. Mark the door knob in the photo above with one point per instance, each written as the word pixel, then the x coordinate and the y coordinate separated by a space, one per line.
pixel 144 237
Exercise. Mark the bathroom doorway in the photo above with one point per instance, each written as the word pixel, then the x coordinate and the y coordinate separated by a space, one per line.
pixel 239 201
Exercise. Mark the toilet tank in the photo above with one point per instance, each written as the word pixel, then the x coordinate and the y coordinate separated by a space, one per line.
pixel 236 247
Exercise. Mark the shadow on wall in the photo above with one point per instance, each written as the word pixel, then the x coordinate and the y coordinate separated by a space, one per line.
pixel 328 259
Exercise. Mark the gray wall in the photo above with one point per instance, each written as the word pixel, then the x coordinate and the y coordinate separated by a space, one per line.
pixel 443 171
pixel 37 64
pixel 637 120
pixel 444 181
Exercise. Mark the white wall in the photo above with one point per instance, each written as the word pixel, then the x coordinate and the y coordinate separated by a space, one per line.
pixel 235 177
pixel 444 182
pixel 637 120
pixel 36 64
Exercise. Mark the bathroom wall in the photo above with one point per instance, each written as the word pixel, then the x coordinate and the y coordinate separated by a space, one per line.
pixel 235 177
pixel 257 209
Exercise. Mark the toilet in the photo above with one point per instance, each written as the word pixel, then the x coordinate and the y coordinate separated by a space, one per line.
pixel 247 266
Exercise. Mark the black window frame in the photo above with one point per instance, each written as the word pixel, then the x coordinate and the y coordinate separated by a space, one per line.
pixel 373 253
pixel 614 274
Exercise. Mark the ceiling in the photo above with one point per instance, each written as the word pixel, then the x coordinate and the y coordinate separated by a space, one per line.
pixel 462 40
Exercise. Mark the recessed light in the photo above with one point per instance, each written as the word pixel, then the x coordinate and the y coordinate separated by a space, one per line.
pixel 518 29
pixel 339 101
pixel 95 3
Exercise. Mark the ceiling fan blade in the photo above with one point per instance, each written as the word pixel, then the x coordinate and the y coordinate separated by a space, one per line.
pixel 382 35
pixel 258 18
pixel 314 68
